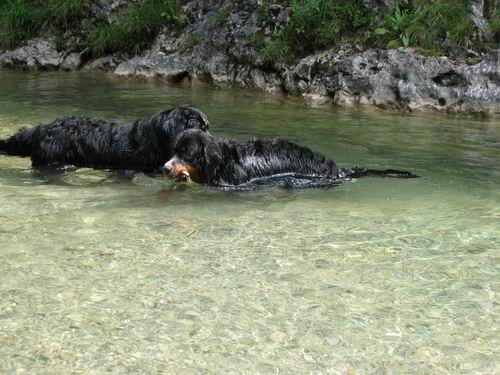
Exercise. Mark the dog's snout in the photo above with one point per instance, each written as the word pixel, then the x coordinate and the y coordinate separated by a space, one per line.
pixel 169 165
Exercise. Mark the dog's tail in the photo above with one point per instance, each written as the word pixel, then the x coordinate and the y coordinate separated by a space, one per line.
pixel 19 144
pixel 391 173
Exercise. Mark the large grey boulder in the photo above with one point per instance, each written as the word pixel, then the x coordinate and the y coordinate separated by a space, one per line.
pixel 38 53
pixel 72 61
pixel 476 14
pixel 172 68
pixel 400 79
pixel 105 64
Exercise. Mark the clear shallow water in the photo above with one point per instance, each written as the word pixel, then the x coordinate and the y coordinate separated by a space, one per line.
pixel 99 272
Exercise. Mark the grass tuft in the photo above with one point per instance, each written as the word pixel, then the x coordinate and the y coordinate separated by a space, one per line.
pixel 136 29
pixel 19 20
pixel 428 25
pixel 315 25
pixel 23 19
pixel 275 50
pixel 132 32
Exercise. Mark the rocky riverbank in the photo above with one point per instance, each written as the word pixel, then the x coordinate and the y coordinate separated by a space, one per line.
pixel 222 53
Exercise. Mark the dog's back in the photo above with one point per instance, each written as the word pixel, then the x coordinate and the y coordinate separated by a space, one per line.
pixel 268 157
pixel 81 141
pixel 91 142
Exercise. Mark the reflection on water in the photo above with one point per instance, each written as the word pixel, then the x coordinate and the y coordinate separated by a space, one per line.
pixel 102 271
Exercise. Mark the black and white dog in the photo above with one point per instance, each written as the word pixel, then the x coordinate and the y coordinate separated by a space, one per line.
pixel 89 142
pixel 223 163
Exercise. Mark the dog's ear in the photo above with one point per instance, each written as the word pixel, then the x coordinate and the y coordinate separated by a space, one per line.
pixel 212 152
pixel 197 120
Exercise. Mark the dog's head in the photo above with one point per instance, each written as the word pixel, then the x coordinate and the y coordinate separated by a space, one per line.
pixel 197 156
pixel 179 119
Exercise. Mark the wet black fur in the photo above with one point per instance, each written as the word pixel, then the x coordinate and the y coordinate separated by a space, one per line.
pixel 89 142
pixel 225 163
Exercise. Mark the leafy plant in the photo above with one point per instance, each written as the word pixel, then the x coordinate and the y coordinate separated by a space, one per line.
pixel 397 23
pixel 427 24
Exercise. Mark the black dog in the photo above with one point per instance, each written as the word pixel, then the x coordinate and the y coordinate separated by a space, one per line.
pixel 89 142
pixel 205 159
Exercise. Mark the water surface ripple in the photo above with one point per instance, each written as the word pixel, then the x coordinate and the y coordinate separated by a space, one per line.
pixel 100 272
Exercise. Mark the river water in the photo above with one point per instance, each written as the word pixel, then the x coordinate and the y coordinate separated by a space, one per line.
pixel 100 272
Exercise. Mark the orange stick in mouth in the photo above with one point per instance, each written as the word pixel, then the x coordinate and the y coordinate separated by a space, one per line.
pixel 185 172
pixel 185 176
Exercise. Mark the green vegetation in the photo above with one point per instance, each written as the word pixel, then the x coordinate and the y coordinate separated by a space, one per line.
pixel 135 29
pixel 275 50
pixel 435 27
pixel 494 10
pixel 495 28
pixel 22 19
pixel 427 25
pixel 315 25
pixel 132 32
pixel 224 14
pixel 17 23
pixel 63 14
pixel 191 40
pixel 397 23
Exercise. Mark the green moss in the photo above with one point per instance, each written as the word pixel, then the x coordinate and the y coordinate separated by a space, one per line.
pixel 222 16
pixel 395 43
pixel 257 39
pixel 191 40
pixel 430 52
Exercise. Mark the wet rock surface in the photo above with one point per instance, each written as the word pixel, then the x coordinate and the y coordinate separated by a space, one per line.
pixel 38 53
pixel 401 79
